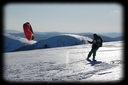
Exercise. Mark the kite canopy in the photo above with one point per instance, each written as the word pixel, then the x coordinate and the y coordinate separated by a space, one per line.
pixel 28 32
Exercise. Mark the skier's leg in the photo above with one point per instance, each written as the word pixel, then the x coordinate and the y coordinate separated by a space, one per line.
pixel 94 53
pixel 90 53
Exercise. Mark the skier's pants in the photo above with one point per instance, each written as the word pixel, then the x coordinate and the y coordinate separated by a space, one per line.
pixel 93 50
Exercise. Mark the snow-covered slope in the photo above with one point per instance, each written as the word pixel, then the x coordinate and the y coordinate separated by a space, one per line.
pixel 65 64
pixel 14 42
pixel 63 40
pixel 57 41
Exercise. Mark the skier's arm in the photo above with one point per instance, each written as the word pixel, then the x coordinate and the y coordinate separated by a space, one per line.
pixel 90 42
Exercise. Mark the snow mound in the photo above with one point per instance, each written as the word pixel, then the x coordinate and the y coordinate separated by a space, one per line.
pixel 62 40
pixel 14 42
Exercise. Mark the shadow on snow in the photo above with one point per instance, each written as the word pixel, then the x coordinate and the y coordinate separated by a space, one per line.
pixel 94 62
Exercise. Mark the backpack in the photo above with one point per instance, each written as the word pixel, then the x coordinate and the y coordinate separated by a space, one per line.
pixel 99 41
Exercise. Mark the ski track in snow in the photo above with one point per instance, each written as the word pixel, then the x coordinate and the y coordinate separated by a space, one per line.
pixel 65 68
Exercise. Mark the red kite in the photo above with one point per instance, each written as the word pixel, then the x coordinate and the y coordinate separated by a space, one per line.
pixel 28 31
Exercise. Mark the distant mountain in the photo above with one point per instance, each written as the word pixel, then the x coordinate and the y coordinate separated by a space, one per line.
pixel 105 38
pixel 112 34
pixel 13 42
pixel 11 31
pixel 44 35
pixel 57 41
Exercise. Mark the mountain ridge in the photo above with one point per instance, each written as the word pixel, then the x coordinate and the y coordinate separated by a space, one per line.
pixel 107 34
pixel 47 37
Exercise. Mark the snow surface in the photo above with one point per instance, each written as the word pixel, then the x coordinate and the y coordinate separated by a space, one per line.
pixel 65 64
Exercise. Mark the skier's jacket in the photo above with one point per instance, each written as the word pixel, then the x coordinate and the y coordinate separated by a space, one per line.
pixel 97 42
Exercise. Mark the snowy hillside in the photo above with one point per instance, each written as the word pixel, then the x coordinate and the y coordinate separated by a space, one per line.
pixel 63 40
pixel 107 37
pixel 14 42
pixel 64 64
pixel 57 41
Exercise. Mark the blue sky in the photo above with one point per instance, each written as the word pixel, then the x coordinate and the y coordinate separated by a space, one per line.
pixel 68 17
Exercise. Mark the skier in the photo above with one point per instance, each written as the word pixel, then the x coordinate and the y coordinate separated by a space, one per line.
pixel 96 43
